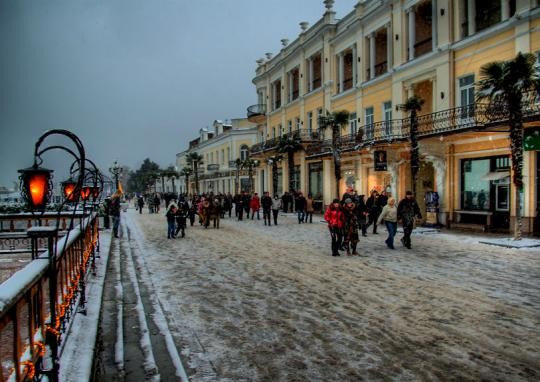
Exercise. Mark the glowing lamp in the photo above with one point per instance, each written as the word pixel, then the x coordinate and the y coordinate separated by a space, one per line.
pixel 69 188
pixel 95 192
pixel 36 186
pixel 86 192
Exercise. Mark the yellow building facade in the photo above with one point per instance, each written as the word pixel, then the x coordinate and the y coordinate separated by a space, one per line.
pixel 369 63
pixel 219 147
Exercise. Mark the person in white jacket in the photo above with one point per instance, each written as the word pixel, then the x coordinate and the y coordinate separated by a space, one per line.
pixel 389 216
pixel 276 206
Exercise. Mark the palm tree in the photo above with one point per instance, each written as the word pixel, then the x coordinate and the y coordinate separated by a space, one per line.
pixel 171 174
pixel 335 120
pixel 186 173
pixel 249 164
pixel 273 161
pixel 289 144
pixel 194 159
pixel 412 106
pixel 504 84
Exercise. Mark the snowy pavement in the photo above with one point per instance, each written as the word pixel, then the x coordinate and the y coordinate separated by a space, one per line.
pixel 250 303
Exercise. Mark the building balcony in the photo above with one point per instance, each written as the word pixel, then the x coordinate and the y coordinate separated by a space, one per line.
pixel 256 113
pixel 306 136
pixel 473 117
pixel 212 167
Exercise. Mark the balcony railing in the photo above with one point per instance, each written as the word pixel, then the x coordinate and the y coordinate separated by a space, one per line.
pixel 305 135
pixel 212 167
pixel 471 117
pixel 256 113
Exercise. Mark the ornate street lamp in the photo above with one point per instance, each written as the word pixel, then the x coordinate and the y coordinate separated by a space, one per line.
pixel 36 187
pixel 116 171
pixel 70 190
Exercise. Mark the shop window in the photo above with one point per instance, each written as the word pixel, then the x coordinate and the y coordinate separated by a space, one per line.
pixel 316 180
pixel 475 191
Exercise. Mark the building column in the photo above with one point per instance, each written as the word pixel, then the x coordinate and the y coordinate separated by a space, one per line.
pixel 341 71
pixel 412 32
pixel 371 56
pixel 389 63
pixel 328 181
pixel 471 17
pixel 434 40
pixel 505 10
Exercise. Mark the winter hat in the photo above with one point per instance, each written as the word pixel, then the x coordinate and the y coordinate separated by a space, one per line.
pixel 348 200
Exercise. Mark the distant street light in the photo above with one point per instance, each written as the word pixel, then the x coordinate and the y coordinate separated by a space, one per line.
pixel 116 171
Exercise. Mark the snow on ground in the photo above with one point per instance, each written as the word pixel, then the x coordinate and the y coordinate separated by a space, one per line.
pixel 80 342
pixel 270 303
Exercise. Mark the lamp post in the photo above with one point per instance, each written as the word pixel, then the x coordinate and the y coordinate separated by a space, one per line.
pixel 116 171
pixel 36 190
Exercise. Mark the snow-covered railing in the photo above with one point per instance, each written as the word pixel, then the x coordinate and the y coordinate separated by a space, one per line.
pixel 24 220
pixel 29 336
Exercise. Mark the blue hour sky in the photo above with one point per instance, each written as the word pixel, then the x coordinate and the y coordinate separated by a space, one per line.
pixel 132 78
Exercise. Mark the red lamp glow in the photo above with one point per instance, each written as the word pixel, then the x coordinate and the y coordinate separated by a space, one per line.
pixel 95 192
pixel 85 192
pixel 69 188
pixel 36 186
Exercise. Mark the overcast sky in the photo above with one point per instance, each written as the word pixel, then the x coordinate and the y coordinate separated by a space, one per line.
pixel 132 78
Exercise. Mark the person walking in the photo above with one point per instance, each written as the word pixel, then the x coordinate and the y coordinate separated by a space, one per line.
pixel 335 218
pixel 309 208
pixel 285 202
pixel 140 203
pixel 276 206
pixel 350 228
pixel 171 218
pixel 255 205
pixel 114 211
pixel 363 214
pixel 374 209
pixel 300 205
pixel 266 202
pixel 407 211
pixel 239 206
pixel 389 216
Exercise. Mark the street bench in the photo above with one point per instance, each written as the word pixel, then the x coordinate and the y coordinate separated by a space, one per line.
pixel 458 214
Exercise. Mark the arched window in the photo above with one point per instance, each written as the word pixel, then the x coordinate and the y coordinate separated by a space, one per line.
pixel 244 152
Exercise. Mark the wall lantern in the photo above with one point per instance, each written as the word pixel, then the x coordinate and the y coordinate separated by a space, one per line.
pixel 36 186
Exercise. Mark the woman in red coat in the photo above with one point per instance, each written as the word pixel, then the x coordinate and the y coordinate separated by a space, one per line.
pixel 255 205
pixel 336 220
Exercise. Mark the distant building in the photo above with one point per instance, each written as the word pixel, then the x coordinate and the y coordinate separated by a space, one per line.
pixel 219 147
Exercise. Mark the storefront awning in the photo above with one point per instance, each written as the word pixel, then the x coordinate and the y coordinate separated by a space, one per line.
pixel 496 175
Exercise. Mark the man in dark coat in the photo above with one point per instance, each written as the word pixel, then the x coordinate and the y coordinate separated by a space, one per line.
pixel 285 201
pixel 374 209
pixel 266 203
pixel 407 210
pixel 300 204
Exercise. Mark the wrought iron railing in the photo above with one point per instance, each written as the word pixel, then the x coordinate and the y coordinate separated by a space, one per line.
pixel 27 330
pixel 474 116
